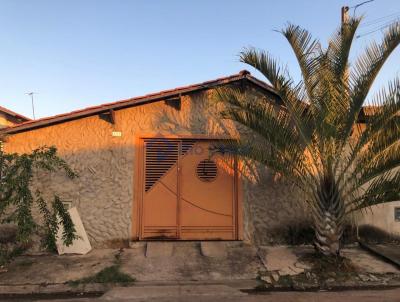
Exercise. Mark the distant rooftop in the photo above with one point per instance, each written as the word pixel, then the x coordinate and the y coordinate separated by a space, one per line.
pixel 16 116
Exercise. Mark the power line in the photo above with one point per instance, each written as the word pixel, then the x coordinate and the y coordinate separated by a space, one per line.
pixel 392 16
pixel 387 23
pixel 360 4
pixel 374 30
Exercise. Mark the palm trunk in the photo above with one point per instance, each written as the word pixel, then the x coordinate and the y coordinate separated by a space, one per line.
pixel 328 219
pixel 328 232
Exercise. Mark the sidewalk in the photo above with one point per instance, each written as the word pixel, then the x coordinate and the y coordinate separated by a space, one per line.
pixel 390 252
pixel 232 264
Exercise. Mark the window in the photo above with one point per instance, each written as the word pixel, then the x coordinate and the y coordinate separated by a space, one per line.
pixel 397 214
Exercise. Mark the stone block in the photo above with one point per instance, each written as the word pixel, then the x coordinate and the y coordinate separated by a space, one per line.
pixel 267 279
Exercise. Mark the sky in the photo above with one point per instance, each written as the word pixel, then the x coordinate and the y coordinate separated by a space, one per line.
pixel 74 54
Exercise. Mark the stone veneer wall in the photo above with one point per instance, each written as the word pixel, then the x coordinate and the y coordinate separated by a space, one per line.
pixel 104 193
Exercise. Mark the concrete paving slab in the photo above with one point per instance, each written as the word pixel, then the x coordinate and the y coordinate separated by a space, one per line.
pixel 215 249
pixel 279 257
pixel 366 262
pixel 283 260
pixel 146 292
pixel 159 249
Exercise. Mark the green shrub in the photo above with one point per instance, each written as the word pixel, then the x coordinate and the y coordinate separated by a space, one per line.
pixel 17 172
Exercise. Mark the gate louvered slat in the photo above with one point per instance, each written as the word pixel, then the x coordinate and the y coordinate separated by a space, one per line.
pixel 161 155
pixel 187 144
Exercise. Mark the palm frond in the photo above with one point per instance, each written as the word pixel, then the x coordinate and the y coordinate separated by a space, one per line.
pixel 292 96
pixel 272 126
pixel 366 70
pixel 377 129
pixel 306 50
pixel 340 46
pixel 382 190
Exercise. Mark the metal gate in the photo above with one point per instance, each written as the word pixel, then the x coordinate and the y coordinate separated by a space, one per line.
pixel 189 192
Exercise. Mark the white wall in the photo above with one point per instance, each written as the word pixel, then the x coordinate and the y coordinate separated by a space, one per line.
pixel 382 217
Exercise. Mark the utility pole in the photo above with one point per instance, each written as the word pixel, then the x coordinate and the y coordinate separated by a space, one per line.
pixel 345 16
pixel 33 104
pixel 343 27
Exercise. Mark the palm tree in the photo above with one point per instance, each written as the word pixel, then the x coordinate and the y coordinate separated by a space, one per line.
pixel 314 139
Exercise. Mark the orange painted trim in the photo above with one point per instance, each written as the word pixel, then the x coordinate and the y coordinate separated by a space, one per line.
pixel 189 136
pixel 137 192
pixel 178 191
pixel 239 202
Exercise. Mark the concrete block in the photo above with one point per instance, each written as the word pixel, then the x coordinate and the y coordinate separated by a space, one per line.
pixel 81 245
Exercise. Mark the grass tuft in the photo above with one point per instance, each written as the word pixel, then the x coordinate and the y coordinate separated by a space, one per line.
pixel 111 274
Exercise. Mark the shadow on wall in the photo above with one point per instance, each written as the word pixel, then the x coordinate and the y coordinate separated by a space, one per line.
pixel 299 233
pixel 102 193
pixel 302 233
pixel 372 234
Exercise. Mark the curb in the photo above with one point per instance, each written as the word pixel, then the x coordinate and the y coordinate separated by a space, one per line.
pixel 97 289
pixel 330 286
pixel 48 290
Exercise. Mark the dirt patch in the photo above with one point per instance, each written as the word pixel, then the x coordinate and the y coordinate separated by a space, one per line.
pixel 324 266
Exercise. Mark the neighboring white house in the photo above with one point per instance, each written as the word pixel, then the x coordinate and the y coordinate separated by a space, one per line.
pixel 9 118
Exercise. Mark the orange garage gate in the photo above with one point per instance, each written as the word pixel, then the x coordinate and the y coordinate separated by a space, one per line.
pixel 188 191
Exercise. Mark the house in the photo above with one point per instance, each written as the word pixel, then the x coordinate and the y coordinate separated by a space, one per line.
pixel 146 171
pixel 9 118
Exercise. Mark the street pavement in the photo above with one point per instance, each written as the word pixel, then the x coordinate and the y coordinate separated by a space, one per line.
pixel 392 295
